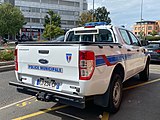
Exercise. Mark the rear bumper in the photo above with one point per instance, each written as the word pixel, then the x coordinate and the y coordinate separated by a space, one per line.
pixel 70 99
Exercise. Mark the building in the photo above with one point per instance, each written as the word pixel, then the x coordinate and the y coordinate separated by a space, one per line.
pixel 34 12
pixel 146 27
pixel 10 1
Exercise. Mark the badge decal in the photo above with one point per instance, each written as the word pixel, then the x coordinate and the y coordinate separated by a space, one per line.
pixel 68 57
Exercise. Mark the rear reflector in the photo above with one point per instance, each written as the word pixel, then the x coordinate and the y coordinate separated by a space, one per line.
pixel 16 59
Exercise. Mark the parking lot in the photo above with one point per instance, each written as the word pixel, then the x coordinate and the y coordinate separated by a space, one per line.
pixel 141 101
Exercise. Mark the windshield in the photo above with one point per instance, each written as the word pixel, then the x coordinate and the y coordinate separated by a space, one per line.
pixel 103 36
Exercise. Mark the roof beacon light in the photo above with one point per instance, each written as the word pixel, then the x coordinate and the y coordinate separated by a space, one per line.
pixel 93 24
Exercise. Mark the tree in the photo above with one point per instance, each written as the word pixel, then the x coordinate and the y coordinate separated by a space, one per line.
pixel 52 25
pixel 153 33
pixel 102 15
pixel 11 19
pixel 86 17
pixel 52 31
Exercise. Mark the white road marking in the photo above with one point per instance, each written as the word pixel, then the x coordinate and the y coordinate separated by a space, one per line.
pixel 65 114
pixel 12 104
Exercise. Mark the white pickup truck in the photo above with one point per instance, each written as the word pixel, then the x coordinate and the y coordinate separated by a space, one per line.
pixel 93 61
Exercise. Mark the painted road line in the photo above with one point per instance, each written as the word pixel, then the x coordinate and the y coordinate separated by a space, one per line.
pixel 7 106
pixel 105 116
pixel 40 112
pixel 23 104
pixel 142 84
pixel 71 116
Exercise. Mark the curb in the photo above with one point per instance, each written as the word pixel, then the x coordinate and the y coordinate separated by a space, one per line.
pixel 7 66
pixel 6 63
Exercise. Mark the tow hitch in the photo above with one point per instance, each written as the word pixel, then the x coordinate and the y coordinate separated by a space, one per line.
pixel 44 96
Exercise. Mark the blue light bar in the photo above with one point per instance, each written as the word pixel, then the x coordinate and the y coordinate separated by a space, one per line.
pixel 95 24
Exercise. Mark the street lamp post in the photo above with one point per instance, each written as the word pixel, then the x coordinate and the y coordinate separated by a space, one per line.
pixel 141 10
pixel 141 18
pixel 93 11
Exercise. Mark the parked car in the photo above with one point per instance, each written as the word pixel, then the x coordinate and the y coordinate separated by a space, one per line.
pixel 59 38
pixel 154 49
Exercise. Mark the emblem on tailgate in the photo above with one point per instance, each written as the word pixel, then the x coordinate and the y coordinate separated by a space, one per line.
pixel 43 61
pixel 68 57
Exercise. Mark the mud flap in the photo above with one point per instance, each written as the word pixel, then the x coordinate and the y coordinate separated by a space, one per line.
pixel 102 100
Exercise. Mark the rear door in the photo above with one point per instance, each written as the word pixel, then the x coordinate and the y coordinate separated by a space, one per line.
pixel 130 53
pixel 139 51
pixel 54 61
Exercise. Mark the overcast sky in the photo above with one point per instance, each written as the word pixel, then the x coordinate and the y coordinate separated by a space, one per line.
pixel 127 12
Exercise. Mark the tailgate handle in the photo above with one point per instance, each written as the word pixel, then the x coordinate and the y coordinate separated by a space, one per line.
pixel 43 51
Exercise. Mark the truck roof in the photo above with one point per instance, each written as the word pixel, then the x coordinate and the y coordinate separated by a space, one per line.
pixel 94 27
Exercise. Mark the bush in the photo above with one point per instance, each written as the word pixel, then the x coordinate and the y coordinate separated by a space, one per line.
pixel 152 38
pixel 6 55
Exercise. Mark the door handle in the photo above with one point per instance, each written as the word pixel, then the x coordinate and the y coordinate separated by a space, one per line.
pixel 43 51
pixel 128 50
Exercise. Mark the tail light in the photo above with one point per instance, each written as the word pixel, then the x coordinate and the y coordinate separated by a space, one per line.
pixel 158 51
pixel 16 59
pixel 86 64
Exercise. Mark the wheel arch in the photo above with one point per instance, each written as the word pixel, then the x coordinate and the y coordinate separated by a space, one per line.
pixel 103 100
pixel 119 69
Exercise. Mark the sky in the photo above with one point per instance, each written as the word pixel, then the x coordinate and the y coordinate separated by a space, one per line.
pixel 127 12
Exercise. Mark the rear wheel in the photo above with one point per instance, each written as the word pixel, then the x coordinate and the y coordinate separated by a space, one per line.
pixel 144 75
pixel 115 96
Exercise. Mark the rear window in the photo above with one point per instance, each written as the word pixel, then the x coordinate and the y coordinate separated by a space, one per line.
pixel 103 36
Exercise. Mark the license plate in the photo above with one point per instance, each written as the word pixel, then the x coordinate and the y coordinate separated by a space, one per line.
pixel 50 84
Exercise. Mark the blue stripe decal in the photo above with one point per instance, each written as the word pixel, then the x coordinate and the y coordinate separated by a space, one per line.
pixel 111 60
pixel 100 61
pixel 116 58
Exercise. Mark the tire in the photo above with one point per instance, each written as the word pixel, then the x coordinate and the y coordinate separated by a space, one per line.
pixel 115 96
pixel 144 75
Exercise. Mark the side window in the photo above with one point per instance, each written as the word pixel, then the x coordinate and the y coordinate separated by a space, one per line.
pixel 104 36
pixel 125 36
pixel 72 37
pixel 134 39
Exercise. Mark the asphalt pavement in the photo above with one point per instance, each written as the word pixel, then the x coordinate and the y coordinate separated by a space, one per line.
pixel 141 101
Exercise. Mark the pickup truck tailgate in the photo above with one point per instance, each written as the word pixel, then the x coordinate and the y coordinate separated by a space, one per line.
pixel 59 62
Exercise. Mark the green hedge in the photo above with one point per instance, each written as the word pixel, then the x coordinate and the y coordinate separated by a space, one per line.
pixel 6 55
pixel 152 38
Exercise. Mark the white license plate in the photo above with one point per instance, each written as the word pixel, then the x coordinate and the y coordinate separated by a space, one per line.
pixel 50 84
